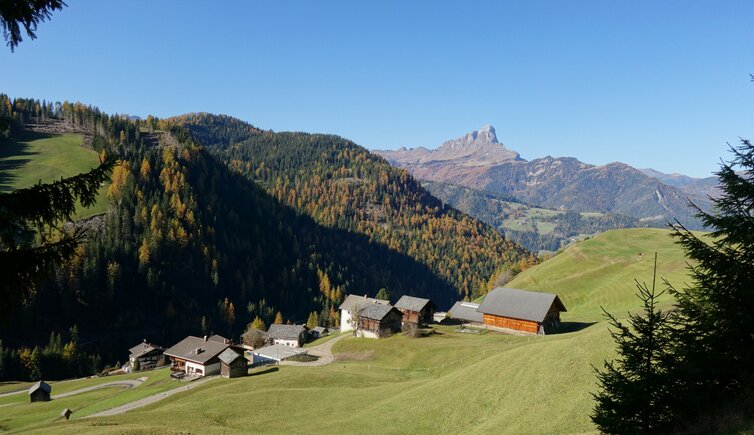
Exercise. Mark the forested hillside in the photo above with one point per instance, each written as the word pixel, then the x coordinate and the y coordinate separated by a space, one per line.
pixel 201 239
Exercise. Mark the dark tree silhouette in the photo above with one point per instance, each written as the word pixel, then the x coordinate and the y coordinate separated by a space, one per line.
pixel 635 389
pixel 24 15
pixel 716 334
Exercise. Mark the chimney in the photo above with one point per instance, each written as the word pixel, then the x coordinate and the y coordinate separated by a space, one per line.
pixel 145 340
pixel 206 338
pixel 199 350
pixel 365 296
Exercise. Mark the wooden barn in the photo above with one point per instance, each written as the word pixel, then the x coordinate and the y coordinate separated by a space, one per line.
pixel 351 305
pixel 416 310
pixel 40 392
pixel 377 320
pixel 233 364
pixel 521 310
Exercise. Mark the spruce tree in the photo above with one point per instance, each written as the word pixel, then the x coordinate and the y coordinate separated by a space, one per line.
pixel 635 390
pixel 716 327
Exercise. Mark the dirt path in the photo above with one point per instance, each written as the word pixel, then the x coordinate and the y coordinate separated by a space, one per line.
pixel 323 351
pixel 150 399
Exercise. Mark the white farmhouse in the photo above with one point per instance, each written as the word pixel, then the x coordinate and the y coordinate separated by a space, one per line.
pixel 353 304
pixel 197 356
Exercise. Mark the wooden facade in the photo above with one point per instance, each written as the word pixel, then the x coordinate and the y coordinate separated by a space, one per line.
pixel 386 326
pixel 237 368
pixel 551 322
pixel 423 317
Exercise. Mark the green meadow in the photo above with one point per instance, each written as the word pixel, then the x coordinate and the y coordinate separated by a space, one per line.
pixel 446 382
pixel 31 157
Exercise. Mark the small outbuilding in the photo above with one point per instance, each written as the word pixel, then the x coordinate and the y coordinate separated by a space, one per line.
pixel 377 320
pixel 319 332
pixel 416 310
pixel 466 312
pixel 233 364
pixel 40 392
pixel 522 310
pixel 66 413
pixel 273 354
pixel 288 335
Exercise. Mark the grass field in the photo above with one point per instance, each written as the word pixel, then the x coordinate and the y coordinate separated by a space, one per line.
pixel 447 382
pixel 17 414
pixel 31 157
pixel 600 271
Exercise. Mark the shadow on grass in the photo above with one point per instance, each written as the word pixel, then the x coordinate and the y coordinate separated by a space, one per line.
pixel 14 154
pixel 265 371
pixel 568 327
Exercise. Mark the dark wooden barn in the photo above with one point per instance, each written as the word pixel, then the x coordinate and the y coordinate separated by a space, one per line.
pixel 416 310
pixel 376 321
pixel 40 392
pixel 233 364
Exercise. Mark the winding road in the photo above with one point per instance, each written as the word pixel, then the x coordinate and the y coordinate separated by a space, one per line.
pixel 323 351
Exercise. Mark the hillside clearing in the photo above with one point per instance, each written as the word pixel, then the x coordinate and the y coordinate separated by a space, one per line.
pixel 32 157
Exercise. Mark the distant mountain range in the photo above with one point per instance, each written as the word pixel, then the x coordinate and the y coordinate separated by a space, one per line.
pixel 479 161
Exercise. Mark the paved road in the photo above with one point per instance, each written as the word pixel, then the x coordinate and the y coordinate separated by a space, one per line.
pixel 150 399
pixel 323 351
pixel 126 383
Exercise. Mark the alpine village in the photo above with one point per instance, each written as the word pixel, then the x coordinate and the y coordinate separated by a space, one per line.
pixel 197 273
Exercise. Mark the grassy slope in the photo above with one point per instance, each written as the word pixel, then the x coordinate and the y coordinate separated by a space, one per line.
pixel 16 413
pixel 32 157
pixel 600 271
pixel 448 382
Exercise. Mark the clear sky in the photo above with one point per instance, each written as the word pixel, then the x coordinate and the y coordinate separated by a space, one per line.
pixel 653 84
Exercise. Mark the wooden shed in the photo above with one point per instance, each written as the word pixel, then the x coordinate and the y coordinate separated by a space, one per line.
pixel 233 364
pixel 522 310
pixel 376 321
pixel 416 310
pixel 40 392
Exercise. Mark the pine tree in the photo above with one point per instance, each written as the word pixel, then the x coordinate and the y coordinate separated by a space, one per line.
pixel 383 295
pixel 278 318
pixel 716 334
pixel 635 390
pixel 313 320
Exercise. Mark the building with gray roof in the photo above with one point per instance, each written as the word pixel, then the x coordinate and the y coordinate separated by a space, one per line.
pixel 351 305
pixel 416 310
pixel 196 356
pixel 40 392
pixel 522 310
pixel 288 335
pixel 466 312
pixel 378 320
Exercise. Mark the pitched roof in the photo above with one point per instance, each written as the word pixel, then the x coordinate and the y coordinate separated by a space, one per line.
pixel 187 349
pixel 142 348
pixel 218 338
pixel 377 311
pixel 285 332
pixel 412 303
pixel 466 311
pixel 41 385
pixel 353 301
pixel 277 351
pixel 320 329
pixel 519 304
pixel 229 355
pixel 251 331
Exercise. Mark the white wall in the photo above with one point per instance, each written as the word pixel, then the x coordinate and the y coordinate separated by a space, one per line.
pixel 211 369
pixel 345 321
pixel 289 343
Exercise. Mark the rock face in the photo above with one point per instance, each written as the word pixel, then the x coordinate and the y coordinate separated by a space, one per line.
pixel 478 148
pixel 478 161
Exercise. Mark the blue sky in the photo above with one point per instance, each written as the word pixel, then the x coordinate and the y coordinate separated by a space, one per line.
pixel 653 84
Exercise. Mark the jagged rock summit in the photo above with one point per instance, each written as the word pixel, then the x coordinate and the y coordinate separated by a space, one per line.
pixel 478 148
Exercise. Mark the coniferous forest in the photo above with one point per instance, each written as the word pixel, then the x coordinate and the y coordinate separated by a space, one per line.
pixel 212 223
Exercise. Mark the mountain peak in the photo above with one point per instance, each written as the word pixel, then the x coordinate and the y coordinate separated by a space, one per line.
pixel 488 131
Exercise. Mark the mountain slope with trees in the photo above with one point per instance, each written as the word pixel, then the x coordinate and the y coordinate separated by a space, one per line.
pixel 200 239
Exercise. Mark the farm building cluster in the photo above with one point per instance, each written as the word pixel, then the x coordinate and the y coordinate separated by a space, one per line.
pixel 503 309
